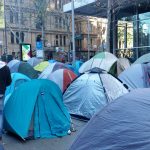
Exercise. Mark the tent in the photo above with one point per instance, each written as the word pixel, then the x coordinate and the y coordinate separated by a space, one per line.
pixel 136 76
pixel 17 79
pixel 70 67
pixel 27 70
pixel 122 64
pixel 92 91
pixel 51 68
pixel 143 59
pixel 103 60
pixel 52 61
pixel 33 61
pixel 40 113
pixel 41 66
pixel 12 63
pixel 24 68
pixel 119 66
pixel 122 125
pixel 77 64
pixel 62 77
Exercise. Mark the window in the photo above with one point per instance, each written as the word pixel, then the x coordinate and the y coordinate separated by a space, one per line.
pixel 11 17
pixel 22 19
pixel 60 23
pixel 56 22
pixel 60 40
pixel 16 18
pixel 17 37
pixel 56 40
pixel 64 40
pixel 22 37
pixel 12 38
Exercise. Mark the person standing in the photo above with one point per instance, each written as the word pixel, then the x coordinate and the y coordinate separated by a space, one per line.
pixel 5 80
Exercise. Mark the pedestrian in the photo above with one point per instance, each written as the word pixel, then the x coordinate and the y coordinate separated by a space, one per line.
pixel 5 80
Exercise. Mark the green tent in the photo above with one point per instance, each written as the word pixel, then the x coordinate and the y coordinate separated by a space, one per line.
pixel 41 66
pixel 27 70
pixel 36 109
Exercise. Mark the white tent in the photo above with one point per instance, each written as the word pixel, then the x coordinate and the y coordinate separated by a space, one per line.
pixel 92 91
pixel 103 60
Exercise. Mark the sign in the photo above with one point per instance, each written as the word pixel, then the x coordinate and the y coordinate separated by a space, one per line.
pixel 26 52
pixel 39 49
pixel 39 45
pixel 2 18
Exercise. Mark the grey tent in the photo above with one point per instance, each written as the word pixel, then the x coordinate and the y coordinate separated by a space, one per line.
pixel 122 125
pixel 27 70
pixel 24 68
pixel 33 61
pixel 136 76
pixel 13 65
pixel 92 91
pixel 143 59
pixel 122 64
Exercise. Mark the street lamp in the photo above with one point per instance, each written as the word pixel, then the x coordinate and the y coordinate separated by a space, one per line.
pixel 73 33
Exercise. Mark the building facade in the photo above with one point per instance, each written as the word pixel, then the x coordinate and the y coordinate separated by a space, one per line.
pixel 128 24
pixel 22 26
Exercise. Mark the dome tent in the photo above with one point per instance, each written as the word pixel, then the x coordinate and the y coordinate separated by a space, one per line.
pixel 143 59
pixel 41 113
pixel 24 68
pixel 122 125
pixel 12 63
pixel 51 68
pixel 103 60
pixel 62 77
pixel 136 76
pixel 92 91
pixel 17 79
pixel 33 61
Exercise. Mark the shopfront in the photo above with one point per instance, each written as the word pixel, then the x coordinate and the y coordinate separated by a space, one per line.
pixel 131 37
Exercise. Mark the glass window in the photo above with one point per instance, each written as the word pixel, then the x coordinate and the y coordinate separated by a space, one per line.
pixel 64 40
pixel 11 17
pixel 60 40
pixel 12 38
pixel 17 37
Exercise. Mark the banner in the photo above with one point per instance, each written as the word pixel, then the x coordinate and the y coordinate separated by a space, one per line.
pixel 2 18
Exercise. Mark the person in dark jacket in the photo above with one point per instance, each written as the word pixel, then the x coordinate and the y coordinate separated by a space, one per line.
pixel 5 80
pixel 5 77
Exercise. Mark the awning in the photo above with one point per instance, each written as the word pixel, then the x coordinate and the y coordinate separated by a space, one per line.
pixel 98 8
pixel 88 8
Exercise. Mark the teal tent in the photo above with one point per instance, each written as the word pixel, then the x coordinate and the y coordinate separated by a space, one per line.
pixel 36 109
pixel 17 79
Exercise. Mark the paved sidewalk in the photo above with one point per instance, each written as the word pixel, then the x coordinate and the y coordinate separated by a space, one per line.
pixel 13 143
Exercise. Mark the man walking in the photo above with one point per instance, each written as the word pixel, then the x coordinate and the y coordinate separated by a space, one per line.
pixel 5 80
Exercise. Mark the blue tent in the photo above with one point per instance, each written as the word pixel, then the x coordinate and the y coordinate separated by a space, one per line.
pixel 17 79
pixel 77 64
pixel 122 125
pixel 52 61
pixel 36 109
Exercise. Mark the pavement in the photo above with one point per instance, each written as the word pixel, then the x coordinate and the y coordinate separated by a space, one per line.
pixel 13 143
